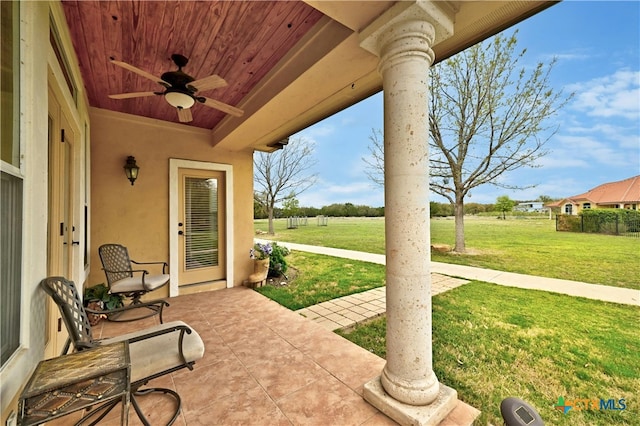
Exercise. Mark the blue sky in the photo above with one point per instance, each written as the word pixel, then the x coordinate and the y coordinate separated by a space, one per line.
pixel 597 46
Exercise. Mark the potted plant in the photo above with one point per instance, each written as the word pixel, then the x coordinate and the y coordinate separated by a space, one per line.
pixel 260 254
pixel 98 298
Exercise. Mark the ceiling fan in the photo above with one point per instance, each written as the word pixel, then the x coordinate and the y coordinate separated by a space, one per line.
pixel 181 90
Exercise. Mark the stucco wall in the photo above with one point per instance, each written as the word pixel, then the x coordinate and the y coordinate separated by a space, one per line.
pixel 38 66
pixel 138 216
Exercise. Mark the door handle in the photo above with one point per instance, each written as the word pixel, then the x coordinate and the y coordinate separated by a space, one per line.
pixel 75 243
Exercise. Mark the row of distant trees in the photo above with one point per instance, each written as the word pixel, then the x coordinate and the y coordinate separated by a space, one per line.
pixel 333 210
pixel 291 208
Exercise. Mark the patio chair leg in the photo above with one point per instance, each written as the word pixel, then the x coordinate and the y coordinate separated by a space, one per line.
pixel 141 392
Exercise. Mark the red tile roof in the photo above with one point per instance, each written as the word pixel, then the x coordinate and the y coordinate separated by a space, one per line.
pixel 622 192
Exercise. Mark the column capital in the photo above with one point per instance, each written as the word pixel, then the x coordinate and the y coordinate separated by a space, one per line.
pixel 440 14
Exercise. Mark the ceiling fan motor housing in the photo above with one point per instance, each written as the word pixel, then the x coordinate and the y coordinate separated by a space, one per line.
pixel 178 94
pixel 179 98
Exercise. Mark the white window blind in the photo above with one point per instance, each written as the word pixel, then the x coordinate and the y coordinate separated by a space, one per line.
pixel 201 222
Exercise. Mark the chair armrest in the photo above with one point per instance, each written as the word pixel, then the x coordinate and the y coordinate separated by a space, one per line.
pixel 182 329
pixel 161 349
pixel 111 271
pixel 164 264
pixel 132 271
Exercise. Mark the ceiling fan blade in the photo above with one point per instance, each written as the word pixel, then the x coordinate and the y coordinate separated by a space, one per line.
pixel 184 115
pixel 208 83
pixel 139 72
pixel 132 95
pixel 212 103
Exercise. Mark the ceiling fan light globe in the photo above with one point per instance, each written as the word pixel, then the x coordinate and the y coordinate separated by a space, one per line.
pixel 179 100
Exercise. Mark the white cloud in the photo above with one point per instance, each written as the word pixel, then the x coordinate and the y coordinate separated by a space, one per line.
pixel 358 193
pixel 590 150
pixel 561 161
pixel 567 56
pixel 348 120
pixel 616 95
pixel 315 132
pixel 352 188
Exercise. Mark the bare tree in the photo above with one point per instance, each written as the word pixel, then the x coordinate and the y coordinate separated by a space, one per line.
pixel 375 162
pixel 487 117
pixel 283 174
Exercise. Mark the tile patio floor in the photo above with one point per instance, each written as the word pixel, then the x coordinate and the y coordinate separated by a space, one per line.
pixel 263 365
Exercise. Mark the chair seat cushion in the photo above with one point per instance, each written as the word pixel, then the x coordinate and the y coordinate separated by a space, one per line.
pixel 159 353
pixel 135 283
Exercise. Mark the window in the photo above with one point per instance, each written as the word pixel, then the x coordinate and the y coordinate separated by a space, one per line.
pixel 9 84
pixel 54 40
pixel 10 183
pixel 11 246
pixel 586 206
pixel 568 208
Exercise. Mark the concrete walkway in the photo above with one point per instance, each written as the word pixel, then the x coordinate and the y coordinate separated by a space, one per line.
pixel 355 308
pixel 348 310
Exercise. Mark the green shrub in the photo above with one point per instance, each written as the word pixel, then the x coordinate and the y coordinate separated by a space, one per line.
pixel 100 292
pixel 278 263
pixel 568 223
pixel 611 221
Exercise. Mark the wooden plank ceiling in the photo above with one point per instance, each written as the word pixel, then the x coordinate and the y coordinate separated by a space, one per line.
pixel 239 41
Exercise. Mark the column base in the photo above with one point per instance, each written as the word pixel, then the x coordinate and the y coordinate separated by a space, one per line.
pixel 404 414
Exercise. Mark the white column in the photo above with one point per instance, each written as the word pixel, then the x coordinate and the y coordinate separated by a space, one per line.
pixel 404 64
pixel 403 41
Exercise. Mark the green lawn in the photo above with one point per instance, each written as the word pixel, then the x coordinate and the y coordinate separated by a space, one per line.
pixel 491 342
pixel 320 278
pixel 528 246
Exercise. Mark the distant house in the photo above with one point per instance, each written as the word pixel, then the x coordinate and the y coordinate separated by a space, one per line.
pixel 624 194
pixel 531 207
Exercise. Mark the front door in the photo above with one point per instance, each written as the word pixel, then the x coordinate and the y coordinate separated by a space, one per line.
pixel 61 228
pixel 201 230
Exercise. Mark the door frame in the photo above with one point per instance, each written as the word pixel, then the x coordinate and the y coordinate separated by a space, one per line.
pixel 174 202
pixel 62 204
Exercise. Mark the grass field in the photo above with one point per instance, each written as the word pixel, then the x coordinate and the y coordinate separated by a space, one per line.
pixel 491 342
pixel 528 246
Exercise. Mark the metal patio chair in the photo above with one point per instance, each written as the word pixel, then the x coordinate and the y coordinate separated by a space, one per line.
pixel 126 278
pixel 154 351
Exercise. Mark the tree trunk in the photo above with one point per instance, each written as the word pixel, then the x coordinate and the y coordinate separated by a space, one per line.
pixel 459 216
pixel 270 212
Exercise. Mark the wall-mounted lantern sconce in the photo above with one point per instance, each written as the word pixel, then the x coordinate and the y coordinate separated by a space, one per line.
pixel 131 169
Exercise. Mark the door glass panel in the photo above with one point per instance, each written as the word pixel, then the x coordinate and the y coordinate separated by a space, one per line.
pixel 201 222
pixel 66 209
